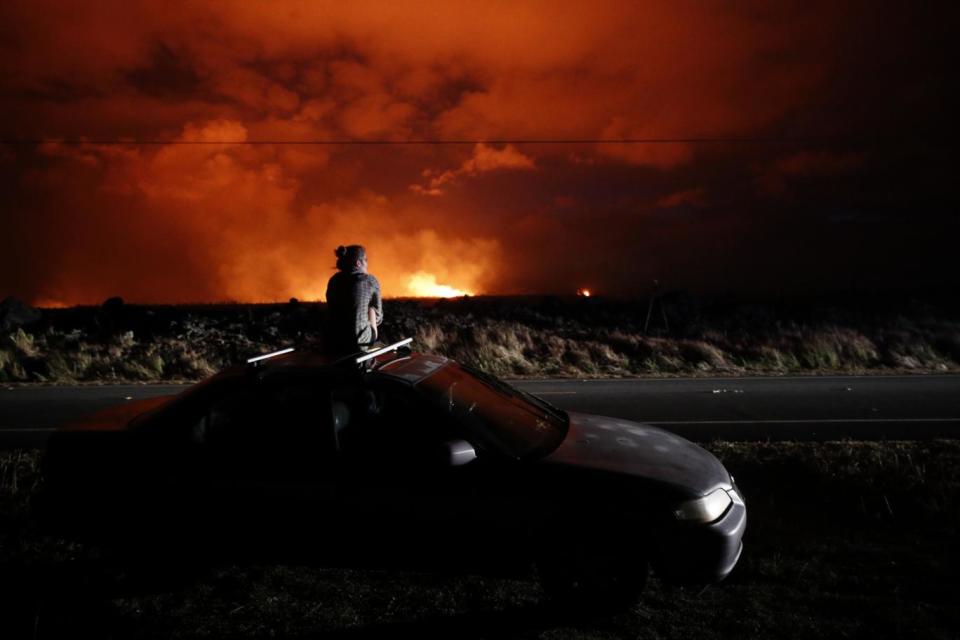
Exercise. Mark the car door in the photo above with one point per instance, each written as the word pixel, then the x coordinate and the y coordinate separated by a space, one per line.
pixel 407 501
pixel 265 462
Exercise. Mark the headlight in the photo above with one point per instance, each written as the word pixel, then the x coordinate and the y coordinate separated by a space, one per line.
pixel 705 509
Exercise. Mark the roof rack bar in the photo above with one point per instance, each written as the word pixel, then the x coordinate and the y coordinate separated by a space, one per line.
pixel 269 355
pixel 387 349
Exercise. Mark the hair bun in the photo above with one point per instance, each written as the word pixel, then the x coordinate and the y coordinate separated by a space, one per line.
pixel 340 251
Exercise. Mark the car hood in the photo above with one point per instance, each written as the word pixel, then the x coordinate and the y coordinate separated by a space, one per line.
pixel 115 418
pixel 629 448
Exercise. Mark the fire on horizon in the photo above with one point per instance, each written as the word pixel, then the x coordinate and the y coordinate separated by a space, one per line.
pixel 220 152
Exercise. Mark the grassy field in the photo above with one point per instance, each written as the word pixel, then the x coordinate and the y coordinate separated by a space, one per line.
pixel 517 337
pixel 845 540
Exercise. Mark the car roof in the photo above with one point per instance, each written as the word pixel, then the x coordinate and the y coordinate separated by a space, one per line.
pixel 294 360
pixel 410 367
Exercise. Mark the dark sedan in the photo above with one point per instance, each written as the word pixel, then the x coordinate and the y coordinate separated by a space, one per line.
pixel 397 453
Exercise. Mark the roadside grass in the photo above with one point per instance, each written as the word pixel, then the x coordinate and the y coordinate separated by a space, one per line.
pixel 541 337
pixel 845 539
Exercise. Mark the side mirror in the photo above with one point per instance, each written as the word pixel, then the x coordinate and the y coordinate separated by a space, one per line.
pixel 458 453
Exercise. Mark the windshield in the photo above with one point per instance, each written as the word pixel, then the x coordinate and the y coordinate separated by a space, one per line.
pixel 511 420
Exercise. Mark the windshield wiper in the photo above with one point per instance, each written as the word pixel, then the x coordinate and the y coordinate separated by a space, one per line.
pixel 450 404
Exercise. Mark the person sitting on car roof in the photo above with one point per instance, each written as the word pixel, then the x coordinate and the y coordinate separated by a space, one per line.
pixel 354 305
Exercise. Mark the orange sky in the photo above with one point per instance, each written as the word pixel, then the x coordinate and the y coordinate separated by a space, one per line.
pixel 823 85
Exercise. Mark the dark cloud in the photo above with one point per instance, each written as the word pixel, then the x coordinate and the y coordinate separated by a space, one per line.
pixel 843 103
pixel 169 74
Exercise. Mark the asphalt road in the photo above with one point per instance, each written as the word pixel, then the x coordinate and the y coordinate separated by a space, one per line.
pixel 702 409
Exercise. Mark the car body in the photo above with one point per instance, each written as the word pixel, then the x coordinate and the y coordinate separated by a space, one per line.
pixel 399 451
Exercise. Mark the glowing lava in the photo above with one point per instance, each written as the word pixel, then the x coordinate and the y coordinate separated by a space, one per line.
pixel 583 292
pixel 49 303
pixel 424 285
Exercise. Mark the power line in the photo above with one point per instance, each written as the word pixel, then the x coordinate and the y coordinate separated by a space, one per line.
pixel 425 142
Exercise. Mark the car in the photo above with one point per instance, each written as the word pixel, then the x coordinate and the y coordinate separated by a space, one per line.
pixel 399 453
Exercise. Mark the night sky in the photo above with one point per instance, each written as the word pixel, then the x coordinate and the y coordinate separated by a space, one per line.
pixel 817 155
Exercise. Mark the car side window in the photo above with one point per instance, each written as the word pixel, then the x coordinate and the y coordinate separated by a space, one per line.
pixel 301 416
pixel 283 419
pixel 391 421
pixel 230 417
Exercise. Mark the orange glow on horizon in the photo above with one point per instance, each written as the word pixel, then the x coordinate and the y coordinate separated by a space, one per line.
pixel 46 303
pixel 424 285
pixel 583 292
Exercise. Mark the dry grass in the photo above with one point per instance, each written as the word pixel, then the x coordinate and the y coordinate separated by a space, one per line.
pixel 845 540
pixel 505 336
